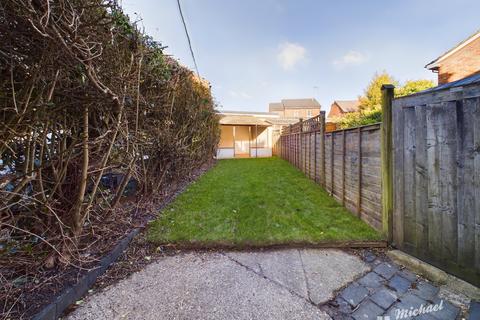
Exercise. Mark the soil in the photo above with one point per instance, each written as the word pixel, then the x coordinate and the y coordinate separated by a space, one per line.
pixel 26 289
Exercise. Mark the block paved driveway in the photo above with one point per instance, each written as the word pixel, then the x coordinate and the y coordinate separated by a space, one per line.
pixel 280 284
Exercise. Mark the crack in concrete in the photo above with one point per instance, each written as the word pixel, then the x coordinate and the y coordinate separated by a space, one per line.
pixel 269 279
pixel 260 268
pixel 307 285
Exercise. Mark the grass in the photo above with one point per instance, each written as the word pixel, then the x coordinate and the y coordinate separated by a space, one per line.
pixel 256 202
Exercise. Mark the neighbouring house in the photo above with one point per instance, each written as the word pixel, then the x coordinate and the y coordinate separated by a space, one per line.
pixel 337 110
pixel 459 62
pixel 341 107
pixel 296 108
pixel 249 134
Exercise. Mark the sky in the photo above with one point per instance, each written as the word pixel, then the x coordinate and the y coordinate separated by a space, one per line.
pixel 254 52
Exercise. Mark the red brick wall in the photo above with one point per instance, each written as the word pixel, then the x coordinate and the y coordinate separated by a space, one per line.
pixel 335 111
pixel 461 64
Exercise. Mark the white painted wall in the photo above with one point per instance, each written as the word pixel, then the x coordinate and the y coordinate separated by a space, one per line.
pixel 262 152
pixel 225 153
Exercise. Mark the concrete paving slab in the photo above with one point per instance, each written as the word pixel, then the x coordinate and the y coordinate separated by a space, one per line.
pixel 384 298
pixel 386 270
pixel 282 266
pixel 196 286
pixel 371 280
pixel 311 273
pixel 425 290
pixel 474 311
pixel 448 310
pixel 329 270
pixel 367 310
pixel 399 284
pixel 248 259
pixel 354 294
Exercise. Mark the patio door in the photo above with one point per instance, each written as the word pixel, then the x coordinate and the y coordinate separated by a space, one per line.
pixel 242 141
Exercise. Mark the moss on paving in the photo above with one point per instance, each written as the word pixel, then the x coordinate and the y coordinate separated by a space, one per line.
pixel 256 202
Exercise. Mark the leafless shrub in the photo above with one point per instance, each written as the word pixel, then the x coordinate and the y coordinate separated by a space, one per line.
pixel 90 108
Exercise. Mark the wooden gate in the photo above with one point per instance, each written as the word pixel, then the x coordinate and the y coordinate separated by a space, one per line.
pixel 436 178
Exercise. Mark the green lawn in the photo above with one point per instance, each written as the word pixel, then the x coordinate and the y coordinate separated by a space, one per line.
pixel 256 202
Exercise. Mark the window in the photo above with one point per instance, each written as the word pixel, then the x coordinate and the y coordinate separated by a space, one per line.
pixel 295 114
pixel 309 113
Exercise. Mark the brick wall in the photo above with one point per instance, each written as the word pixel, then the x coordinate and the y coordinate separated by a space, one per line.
pixel 461 64
pixel 335 111
pixel 301 113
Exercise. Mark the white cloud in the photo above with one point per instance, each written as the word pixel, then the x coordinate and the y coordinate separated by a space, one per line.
pixel 350 58
pixel 239 94
pixel 290 55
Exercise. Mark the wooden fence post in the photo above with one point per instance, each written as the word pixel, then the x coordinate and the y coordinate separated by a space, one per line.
pixel 344 155
pixel 332 159
pixel 315 156
pixel 387 161
pixel 300 147
pixel 290 143
pixel 359 177
pixel 322 145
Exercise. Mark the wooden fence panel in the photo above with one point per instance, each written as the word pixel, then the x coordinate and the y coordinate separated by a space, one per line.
pixel 338 165
pixel 436 174
pixel 436 146
pixel 345 162
pixel 328 162
pixel 352 165
pixel 371 200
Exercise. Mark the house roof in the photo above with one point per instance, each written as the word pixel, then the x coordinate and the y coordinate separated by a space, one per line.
pixel 435 63
pixel 244 120
pixel 308 103
pixel 282 121
pixel 300 103
pixel 278 106
pixel 249 113
pixel 348 105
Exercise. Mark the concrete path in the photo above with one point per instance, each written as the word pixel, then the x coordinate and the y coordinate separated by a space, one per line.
pixel 282 284
pixel 278 284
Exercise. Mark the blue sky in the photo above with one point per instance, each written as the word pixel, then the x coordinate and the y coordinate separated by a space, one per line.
pixel 258 51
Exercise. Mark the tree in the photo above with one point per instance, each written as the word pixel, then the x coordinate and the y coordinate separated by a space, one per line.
pixel 372 98
pixel 371 102
pixel 413 86
pixel 362 118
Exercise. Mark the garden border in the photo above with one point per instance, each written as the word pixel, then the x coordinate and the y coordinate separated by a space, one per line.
pixel 69 295
pixel 351 244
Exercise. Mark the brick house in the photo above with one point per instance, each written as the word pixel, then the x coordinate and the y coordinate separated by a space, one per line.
pixel 341 107
pixel 459 62
pixel 296 108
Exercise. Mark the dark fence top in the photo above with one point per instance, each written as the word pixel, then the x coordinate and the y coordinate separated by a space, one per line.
pixel 309 125
pixel 365 127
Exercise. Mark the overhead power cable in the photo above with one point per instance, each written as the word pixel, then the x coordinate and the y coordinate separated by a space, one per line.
pixel 188 37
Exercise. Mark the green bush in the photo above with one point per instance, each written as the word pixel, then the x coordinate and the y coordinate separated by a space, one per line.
pixel 370 103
